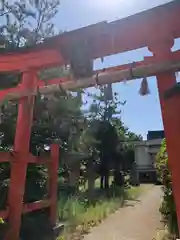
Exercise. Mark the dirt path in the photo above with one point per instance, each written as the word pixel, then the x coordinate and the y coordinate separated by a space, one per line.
pixel 136 221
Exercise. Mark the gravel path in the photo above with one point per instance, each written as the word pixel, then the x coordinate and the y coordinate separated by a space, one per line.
pixel 136 221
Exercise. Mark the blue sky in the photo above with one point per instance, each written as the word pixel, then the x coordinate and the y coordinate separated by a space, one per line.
pixel 140 114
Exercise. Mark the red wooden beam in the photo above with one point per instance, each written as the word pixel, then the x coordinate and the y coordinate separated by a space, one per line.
pixel 10 91
pixel 139 30
pixel 29 207
pixel 104 38
pixel 38 160
pixel 34 59
pixel 21 148
pixel 53 182
pixel 7 93
pixel 11 156
pixel 19 89
pixel 126 34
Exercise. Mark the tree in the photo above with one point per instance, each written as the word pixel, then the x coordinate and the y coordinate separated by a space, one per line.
pixel 27 22
pixel 167 208
pixel 22 23
pixel 56 116
pixel 126 144
pixel 88 145
pixel 103 111
pixel 114 140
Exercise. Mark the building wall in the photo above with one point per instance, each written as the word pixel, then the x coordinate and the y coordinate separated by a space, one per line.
pixel 145 156
pixel 146 151
pixel 142 157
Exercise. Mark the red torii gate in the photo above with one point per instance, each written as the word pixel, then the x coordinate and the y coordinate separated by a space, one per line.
pixel 156 29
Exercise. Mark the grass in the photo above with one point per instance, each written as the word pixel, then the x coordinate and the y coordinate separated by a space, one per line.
pixel 81 215
pixel 134 192
pixel 164 235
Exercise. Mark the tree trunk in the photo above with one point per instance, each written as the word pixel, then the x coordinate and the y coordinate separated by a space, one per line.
pixel 91 179
pixel 106 179
pixel 102 182
pixel 118 178
pixel 74 179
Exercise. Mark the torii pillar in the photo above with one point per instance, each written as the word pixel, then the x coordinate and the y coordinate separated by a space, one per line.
pixel 170 114
pixel 21 147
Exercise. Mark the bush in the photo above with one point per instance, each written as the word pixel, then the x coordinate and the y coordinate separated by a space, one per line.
pixel 167 208
pixel 80 214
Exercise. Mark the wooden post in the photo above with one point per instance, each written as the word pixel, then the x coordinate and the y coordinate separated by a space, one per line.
pixel 53 182
pixel 21 148
pixel 171 118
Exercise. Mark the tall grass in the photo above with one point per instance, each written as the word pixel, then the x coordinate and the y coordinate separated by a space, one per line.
pixel 164 235
pixel 81 215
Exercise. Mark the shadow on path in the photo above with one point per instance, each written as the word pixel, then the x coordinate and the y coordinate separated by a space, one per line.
pixel 138 220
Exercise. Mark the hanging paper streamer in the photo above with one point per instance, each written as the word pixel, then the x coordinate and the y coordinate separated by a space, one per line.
pixel 144 90
pixel 102 59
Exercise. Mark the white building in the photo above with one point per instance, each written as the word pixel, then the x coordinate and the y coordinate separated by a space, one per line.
pixel 145 155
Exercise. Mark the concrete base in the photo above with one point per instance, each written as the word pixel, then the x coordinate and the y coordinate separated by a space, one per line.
pixel 58 229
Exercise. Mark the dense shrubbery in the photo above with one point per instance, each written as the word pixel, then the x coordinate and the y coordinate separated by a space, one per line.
pixel 167 208
pixel 80 215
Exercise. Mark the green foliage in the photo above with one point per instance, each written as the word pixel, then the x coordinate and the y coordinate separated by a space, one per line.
pixel 1 221
pixel 57 116
pixel 167 208
pixel 112 141
pixel 81 215
pixel 27 22
pixel 104 109
pixel 24 23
